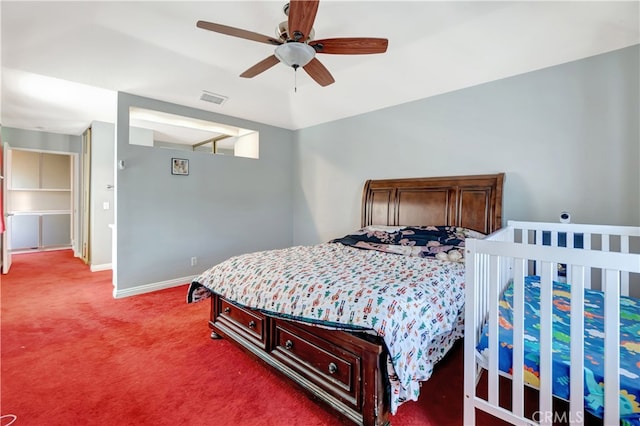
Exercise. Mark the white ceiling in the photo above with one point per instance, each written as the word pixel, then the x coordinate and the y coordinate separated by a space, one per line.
pixel 63 62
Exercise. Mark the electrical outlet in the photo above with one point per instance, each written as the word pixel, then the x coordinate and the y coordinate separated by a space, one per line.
pixel 194 261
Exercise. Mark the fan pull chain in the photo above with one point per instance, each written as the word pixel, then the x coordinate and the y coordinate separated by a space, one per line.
pixel 295 80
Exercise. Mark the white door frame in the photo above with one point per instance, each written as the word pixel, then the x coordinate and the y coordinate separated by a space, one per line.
pixel 6 240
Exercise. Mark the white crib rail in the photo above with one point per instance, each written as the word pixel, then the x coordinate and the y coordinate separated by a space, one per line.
pixel 607 235
pixel 492 262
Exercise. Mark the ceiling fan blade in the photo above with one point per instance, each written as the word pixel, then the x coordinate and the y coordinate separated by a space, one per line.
pixel 302 13
pixel 319 72
pixel 237 32
pixel 261 66
pixel 350 46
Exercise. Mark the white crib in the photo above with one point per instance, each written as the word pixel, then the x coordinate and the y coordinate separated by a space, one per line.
pixel 601 257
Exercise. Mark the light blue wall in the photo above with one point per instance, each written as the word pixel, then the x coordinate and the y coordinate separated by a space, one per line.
pixel 41 141
pixel 567 138
pixel 225 206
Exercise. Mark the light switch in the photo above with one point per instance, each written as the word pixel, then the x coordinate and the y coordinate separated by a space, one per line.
pixel 105 205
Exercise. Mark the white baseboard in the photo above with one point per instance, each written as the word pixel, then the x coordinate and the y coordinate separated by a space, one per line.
pixel 148 288
pixel 103 267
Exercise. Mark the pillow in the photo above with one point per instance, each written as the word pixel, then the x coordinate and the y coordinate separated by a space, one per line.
pixel 440 242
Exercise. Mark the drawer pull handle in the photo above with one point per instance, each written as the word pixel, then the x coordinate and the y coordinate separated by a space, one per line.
pixel 333 368
pixel 252 324
pixel 227 310
pixel 288 344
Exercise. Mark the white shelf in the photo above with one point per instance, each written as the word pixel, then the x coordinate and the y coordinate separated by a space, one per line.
pixel 40 189
pixel 40 212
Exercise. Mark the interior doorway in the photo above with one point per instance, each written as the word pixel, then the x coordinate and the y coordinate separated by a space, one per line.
pixel 40 189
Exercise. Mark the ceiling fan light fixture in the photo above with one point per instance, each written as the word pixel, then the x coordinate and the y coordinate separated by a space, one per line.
pixel 296 43
pixel 283 32
pixel 295 54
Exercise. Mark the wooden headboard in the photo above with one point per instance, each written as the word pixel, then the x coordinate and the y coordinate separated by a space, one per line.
pixel 473 202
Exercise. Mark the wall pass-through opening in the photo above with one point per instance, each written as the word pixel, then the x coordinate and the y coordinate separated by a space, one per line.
pixel 164 130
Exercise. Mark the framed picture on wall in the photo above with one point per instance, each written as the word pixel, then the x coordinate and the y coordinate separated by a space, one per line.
pixel 179 166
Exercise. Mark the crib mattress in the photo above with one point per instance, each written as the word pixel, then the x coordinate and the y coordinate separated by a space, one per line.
pixel 594 345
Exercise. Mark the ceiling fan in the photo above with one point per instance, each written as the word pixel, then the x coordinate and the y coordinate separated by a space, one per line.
pixel 296 46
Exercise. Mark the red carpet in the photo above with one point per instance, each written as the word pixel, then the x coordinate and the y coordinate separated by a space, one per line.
pixel 73 355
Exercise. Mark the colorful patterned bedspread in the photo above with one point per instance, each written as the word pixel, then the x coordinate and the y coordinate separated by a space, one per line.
pixel 412 302
pixel 594 345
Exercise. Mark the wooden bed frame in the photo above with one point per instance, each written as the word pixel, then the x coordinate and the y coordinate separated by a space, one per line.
pixel 346 371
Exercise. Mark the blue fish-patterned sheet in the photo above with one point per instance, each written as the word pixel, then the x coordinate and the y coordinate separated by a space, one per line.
pixel 593 345
pixel 415 303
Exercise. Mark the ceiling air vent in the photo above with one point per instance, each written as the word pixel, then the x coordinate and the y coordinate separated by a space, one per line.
pixel 213 98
